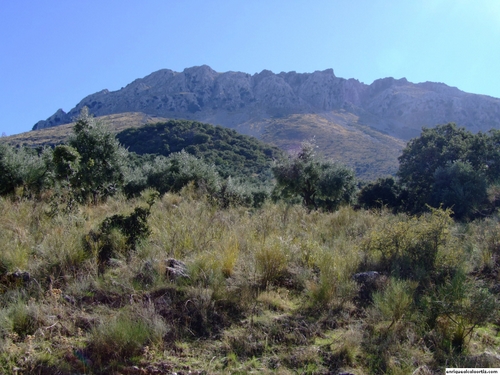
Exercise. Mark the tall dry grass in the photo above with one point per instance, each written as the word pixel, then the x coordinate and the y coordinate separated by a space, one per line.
pixel 267 282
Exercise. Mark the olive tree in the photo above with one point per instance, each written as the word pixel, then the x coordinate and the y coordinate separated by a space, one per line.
pixel 9 178
pixel 319 183
pixel 101 158
pixel 179 169
pixel 24 168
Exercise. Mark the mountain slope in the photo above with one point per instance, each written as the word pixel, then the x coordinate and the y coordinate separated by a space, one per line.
pixel 59 134
pixel 364 126
pixel 234 99
pixel 370 153
pixel 233 154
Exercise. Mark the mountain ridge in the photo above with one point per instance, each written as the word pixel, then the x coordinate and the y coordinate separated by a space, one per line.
pixel 394 106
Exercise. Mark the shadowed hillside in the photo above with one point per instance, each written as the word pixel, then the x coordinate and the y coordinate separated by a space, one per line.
pixel 233 154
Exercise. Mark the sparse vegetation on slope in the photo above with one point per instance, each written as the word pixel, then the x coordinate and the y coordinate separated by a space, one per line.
pixel 60 134
pixel 370 153
pixel 277 290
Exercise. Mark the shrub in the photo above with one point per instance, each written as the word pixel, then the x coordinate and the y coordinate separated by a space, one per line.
pixel 319 183
pixel 335 285
pixel 396 301
pixel 461 187
pixel 271 261
pixel 26 168
pixel 9 179
pixel 408 247
pixel 125 335
pixel 459 306
pixel 384 192
pixel 118 234
pixel 341 346
pixel 180 169
pixel 231 193
pixel 100 168
pixel 24 318
pixel 66 161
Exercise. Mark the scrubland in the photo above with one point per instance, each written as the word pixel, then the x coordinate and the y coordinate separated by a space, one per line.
pixel 264 290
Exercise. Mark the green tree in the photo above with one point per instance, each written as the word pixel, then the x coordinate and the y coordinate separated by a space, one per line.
pixel 320 183
pixel 178 170
pixel 66 161
pixel 461 187
pixel 100 171
pixel 9 178
pixel 485 154
pixel 23 167
pixel 451 167
pixel 435 148
pixel 385 192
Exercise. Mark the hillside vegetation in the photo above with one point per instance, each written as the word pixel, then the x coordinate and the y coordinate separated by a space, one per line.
pixel 268 291
pixel 113 263
pixel 233 154
pixel 363 126
pixel 370 153
pixel 60 134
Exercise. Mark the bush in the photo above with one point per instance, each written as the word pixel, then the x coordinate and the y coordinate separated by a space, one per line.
pixel 320 183
pixel 384 192
pixel 9 179
pixel 180 169
pixel 408 248
pixel 26 168
pixel 124 336
pixel 271 261
pixel 66 161
pixel 101 169
pixel 457 307
pixel 460 187
pixel 118 235
pixel 334 286
pixel 396 301
pixel 25 318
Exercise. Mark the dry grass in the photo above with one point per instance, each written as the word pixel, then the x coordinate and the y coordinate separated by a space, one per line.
pixel 341 137
pixel 269 290
pixel 60 134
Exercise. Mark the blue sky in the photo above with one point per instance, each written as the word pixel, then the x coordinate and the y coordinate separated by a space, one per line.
pixel 54 53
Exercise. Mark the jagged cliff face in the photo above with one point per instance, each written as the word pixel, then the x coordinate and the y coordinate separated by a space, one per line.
pixel 243 101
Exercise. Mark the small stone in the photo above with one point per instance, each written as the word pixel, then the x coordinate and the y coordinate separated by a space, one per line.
pixel 175 269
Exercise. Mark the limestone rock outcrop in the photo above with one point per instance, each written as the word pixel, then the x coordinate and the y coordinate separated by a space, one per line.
pixel 234 99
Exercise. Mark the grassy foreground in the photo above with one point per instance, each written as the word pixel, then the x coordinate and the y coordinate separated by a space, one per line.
pixel 265 291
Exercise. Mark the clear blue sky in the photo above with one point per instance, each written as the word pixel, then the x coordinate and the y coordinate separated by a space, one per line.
pixel 56 52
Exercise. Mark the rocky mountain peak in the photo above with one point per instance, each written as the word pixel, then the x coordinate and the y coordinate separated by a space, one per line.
pixel 58 118
pixel 234 99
